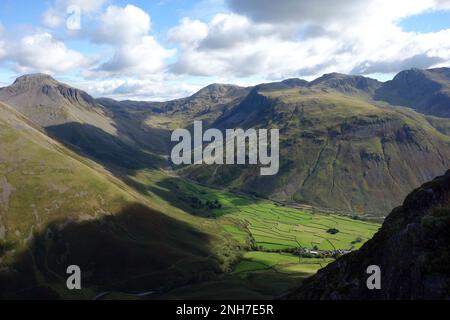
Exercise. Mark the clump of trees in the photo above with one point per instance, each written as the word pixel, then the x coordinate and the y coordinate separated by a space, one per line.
pixel 332 231
pixel 197 203
pixel 213 204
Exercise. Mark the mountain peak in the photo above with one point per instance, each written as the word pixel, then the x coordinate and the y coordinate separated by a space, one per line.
pixel 347 83
pixel 282 85
pixel 217 87
pixel 35 78
pixel 333 76
pixel 219 90
pixel 48 102
pixel 426 91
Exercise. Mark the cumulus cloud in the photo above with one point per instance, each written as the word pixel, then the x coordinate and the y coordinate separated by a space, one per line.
pixel 158 88
pixel 188 31
pixel 251 39
pixel 421 61
pixel 331 13
pixel 307 38
pixel 123 25
pixel 143 57
pixel 234 45
pixel 41 52
pixel 136 51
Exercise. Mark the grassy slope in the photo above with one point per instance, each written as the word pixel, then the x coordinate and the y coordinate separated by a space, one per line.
pixel 37 169
pixel 110 231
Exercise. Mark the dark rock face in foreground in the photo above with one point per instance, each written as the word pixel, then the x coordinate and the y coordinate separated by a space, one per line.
pixel 412 249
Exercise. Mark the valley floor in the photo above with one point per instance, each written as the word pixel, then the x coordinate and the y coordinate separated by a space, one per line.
pixel 265 247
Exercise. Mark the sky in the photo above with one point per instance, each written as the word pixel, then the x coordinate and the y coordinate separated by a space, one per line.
pixel 166 49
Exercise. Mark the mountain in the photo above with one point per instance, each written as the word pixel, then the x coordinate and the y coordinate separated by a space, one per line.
pixel 347 84
pixel 48 102
pixel 339 148
pixel 285 84
pixel 76 119
pixel 58 208
pixel 207 104
pixel 412 250
pixel 427 91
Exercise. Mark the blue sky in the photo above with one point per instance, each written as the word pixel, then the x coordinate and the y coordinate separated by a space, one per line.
pixel 427 22
pixel 165 49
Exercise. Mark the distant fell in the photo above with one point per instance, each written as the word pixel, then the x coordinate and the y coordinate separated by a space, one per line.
pixel 427 91
pixel 48 102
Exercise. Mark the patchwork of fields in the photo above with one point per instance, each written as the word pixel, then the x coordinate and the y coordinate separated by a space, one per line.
pixel 269 225
pixel 267 234
pixel 276 228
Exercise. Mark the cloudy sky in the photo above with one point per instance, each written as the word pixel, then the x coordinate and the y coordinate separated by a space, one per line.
pixel 165 49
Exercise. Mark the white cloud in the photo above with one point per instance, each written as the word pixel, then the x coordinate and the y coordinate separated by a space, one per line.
pixel 41 52
pixel 141 58
pixel 304 38
pixel 136 52
pixel 2 49
pixel 234 45
pixel 123 25
pixel 2 43
pixel 331 13
pixel 257 39
pixel 188 31
pixel 52 18
pixel 158 88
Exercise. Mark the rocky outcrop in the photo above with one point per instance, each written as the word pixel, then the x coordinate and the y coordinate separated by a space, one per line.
pixel 427 91
pixel 412 250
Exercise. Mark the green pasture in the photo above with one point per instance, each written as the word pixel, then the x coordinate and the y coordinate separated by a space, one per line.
pixel 264 224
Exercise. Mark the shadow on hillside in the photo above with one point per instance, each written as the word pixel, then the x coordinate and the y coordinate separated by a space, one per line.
pixel 155 140
pixel 137 250
pixel 168 190
pixel 192 198
pixel 103 147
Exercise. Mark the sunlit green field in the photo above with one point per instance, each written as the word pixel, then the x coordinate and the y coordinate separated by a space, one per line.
pixel 279 262
pixel 276 227
pixel 267 224
pixel 258 236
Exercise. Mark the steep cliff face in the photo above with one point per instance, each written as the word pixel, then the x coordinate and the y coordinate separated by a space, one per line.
pixel 48 102
pixel 412 249
pixel 427 91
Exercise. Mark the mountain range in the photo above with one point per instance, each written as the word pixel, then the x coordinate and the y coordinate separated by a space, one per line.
pixel 340 147
pixel 79 174
pixel 346 141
